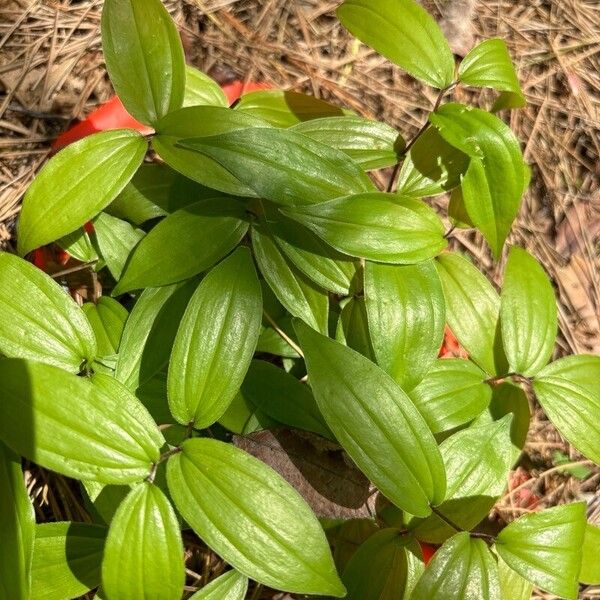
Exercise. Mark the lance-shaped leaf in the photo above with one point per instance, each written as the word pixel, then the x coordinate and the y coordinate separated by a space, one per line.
pixel 546 548
pixel 231 586
pixel 144 57
pixel 371 144
pixel 17 523
pixel 75 427
pixel 493 184
pixel 73 186
pixel 489 65
pixel 252 518
pixel 376 226
pixel 200 90
pixel 282 165
pixel 528 314
pixel 286 108
pixel 375 422
pixel 295 291
pixel 187 242
pixel 432 166
pixel 143 556
pixel 217 336
pixel 569 393
pixel 66 559
pixel 405 306
pixel 405 33
pixel 353 327
pixel 452 393
pixel 50 327
pixel 149 333
pixel 199 121
pixel 463 568
pixel 590 566
pixel 385 567
pixel 472 309
pixel 107 318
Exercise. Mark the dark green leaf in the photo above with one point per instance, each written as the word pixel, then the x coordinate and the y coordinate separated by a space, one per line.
pixel 86 430
pixel 299 295
pixel 493 184
pixel 252 518
pixel 144 57
pixel 231 586
pixel 376 226
pixel 546 548
pixel 353 327
pixel 200 90
pixel 79 245
pixel 405 305
pixel 451 394
pixel 404 33
pixel 282 165
pixel 143 556
pixel 457 211
pixel 244 417
pixel 386 567
pixel 489 65
pixel 17 522
pixel 472 308
pixel 73 186
pixel 66 560
pixel 431 167
pixel 528 314
pixel 198 121
pixel 462 569
pixel 569 393
pixel 217 335
pixel 371 144
pixel 375 422
pixel 590 565
pixel 187 242
pixel 286 108
pixel 104 499
pixel 48 327
pixel 149 333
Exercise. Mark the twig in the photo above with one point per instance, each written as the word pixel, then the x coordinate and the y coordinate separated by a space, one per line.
pixel 283 334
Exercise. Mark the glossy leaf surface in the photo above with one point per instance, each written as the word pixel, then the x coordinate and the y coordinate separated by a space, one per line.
pixel 590 566
pixel 200 90
pixel 231 586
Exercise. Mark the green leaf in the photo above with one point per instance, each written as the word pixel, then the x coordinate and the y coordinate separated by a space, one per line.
pixel 569 393
pixel 217 335
pixel 116 240
pixel 462 569
pixel 508 100
pixel 66 560
pixel 403 32
pixel 231 586
pixel 283 398
pixel 199 121
pixel 143 556
pixel 144 57
pixel 405 306
pixel 376 226
pixel 489 65
pixel 590 566
pixel 107 319
pixel 493 184
pixel 79 245
pixel 150 331
pixel 104 500
pixel 431 167
pixel 451 394
pixel 49 327
pixel 385 567
pixel 371 144
pixel 85 430
pixel 286 108
pixel 353 328
pixel 457 211
pixel 472 309
pixel 546 548
pixel 282 165
pixel 17 522
pixel 298 294
pixel 200 90
pixel 252 518
pixel 73 186
pixel 244 417
pixel 187 242
pixel 528 314
pixel 512 585
pixel 375 422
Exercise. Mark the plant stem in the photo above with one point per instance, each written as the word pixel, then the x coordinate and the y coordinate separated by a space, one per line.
pixel 283 334
pixel 445 519
pixel 516 377
pixel 164 456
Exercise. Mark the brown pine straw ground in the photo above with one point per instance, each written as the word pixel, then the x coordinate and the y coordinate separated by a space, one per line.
pixel 51 72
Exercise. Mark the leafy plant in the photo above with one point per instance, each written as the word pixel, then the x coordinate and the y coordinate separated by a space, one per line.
pixel 260 235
